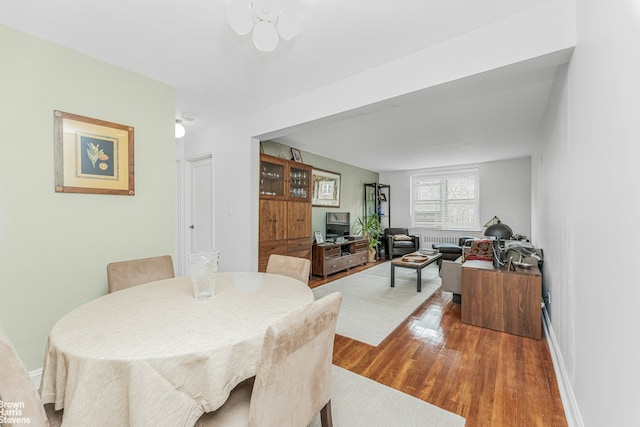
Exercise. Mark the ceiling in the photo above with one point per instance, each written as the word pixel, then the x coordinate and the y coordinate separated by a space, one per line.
pixel 219 76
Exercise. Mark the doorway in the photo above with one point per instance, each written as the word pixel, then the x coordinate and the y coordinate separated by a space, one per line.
pixel 196 228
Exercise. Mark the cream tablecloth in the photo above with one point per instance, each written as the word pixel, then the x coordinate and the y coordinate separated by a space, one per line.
pixel 152 355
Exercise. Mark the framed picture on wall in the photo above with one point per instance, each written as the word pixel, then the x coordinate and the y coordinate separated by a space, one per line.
pixel 325 188
pixel 92 155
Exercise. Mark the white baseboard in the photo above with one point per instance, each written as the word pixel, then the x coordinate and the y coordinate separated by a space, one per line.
pixel 36 377
pixel 571 410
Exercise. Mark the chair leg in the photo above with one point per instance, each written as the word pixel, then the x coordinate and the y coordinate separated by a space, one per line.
pixel 325 415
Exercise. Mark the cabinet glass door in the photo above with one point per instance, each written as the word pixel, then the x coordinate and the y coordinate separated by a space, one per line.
pixel 370 199
pixel 299 183
pixel 272 177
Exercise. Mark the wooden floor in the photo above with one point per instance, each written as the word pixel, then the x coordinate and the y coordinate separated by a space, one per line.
pixel 490 378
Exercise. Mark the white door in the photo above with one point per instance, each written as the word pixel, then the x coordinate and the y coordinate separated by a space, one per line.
pixel 197 227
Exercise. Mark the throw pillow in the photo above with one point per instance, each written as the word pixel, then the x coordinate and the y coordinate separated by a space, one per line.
pixel 401 237
pixel 481 250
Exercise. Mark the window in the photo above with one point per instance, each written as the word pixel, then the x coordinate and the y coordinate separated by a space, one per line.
pixel 446 200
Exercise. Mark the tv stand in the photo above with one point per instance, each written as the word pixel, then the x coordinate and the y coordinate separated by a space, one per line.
pixel 329 258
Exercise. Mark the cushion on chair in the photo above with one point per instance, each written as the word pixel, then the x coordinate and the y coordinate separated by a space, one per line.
pixel 402 237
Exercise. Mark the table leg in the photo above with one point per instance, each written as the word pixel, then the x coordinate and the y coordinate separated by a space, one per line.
pixel 419 280
pixel 393 275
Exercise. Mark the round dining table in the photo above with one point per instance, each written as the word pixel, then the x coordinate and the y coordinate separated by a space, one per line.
pixel 153 355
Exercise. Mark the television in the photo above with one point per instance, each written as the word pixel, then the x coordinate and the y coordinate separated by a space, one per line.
pixel 338 225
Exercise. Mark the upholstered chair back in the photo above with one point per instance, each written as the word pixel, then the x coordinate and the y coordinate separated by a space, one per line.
pixel 293 382
pixel 298 268
pixel 125 274
pixel 16 387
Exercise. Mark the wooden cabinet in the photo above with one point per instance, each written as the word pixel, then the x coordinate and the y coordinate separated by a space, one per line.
pixel 285 209
pixel 507 301
pixel 273 220
pixel 298 220
pixel 329 258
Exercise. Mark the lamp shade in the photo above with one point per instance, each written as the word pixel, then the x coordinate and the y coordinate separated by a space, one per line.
pixel 499 231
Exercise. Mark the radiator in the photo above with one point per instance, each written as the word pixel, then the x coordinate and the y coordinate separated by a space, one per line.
pixel 439 239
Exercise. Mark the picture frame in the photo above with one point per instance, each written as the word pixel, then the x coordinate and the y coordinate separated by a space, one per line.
pixel 383 197
pixel 325 188
pixel 318 237
pixel 92 155
pixel 295 153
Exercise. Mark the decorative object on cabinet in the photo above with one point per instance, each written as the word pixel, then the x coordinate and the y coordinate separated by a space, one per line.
pixel 326 188
pixel 92 155
pixel 319 238
pixel 295 153
pixel 371 230
pixel 285 209
pixel 329 258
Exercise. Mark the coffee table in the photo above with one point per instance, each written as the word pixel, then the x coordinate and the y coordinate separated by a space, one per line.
pixel 415 260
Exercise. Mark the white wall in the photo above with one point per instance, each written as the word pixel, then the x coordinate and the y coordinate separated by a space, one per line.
pixel 54 247
pixel 505 191
pixel 585 206
pixel 539 31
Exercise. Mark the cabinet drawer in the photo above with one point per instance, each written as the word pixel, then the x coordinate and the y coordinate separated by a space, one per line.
pixel 297 245
pixel 360 258
pixel 334 265
pixel 306 254
pixel 332 252
pixel 362 246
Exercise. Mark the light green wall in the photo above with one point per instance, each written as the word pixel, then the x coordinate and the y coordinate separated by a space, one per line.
pixel 54 246
pixel 352 181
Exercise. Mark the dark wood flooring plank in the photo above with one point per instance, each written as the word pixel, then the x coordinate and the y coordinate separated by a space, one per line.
pixel 491 378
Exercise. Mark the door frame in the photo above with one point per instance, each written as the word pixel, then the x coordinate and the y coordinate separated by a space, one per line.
pixel 184 185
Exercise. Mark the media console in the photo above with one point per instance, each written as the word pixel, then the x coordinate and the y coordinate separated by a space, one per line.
pixel 329 258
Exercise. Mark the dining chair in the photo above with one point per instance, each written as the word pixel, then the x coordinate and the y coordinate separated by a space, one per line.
pixel 16 387
pixel 298 268
pixel 125 274
pixel 293 380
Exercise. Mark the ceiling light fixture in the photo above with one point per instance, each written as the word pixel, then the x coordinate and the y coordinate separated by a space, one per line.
pixel 267 21
pixel 180 131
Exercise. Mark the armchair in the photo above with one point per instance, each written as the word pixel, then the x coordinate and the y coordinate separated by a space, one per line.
pixel 397 242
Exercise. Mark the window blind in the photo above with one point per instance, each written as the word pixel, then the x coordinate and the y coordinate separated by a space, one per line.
pixel 446 200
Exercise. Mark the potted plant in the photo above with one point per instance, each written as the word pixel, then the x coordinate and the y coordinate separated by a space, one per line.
pixel 370 227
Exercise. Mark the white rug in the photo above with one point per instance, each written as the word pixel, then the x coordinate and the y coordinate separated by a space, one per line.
pixel 357 401
pixel 371 309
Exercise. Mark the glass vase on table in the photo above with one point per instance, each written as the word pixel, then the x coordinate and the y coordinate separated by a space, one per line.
pixel 203 267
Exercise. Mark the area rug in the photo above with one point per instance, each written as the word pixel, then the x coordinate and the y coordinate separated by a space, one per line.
pixel 357 401
pixel 371 309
